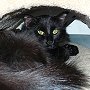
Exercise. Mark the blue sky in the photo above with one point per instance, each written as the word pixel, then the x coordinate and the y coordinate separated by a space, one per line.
pixel 78 27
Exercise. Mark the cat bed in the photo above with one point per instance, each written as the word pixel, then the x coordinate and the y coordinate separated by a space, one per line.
pixel 81 9
pixel 82 61
pixel 83 6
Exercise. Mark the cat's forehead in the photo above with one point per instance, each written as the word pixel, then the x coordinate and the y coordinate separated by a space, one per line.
pixel 46 20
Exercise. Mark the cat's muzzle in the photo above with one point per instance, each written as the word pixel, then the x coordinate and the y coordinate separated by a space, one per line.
pixel 50 44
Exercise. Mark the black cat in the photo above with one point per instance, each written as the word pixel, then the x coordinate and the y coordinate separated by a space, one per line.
pixel 26 65
pixel 51 33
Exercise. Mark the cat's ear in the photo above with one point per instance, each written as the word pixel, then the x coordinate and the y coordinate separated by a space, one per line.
pixel 29 20
pixel 62 16
pixel 66 18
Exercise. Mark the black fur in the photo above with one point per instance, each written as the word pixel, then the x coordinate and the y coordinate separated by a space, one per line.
pixel 59 44
pixel 25 65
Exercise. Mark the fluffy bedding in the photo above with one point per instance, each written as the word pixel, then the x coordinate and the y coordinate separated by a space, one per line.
pixel 82 61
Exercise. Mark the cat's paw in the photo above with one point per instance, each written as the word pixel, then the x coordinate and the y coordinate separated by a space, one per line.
pixel 73 50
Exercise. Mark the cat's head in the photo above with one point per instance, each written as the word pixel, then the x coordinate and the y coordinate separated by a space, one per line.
pixel 50 30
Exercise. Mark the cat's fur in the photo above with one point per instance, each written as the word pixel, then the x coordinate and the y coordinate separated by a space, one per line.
pixel 57 45
pixel 25 65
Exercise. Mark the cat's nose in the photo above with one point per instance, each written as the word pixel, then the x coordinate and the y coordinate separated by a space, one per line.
pixel 49 42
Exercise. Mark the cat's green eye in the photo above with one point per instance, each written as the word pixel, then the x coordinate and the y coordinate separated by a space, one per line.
pixel 55 31
pixel 40 32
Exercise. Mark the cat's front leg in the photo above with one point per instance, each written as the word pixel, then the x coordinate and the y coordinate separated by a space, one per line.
pixel 63 53
pixel 73 50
